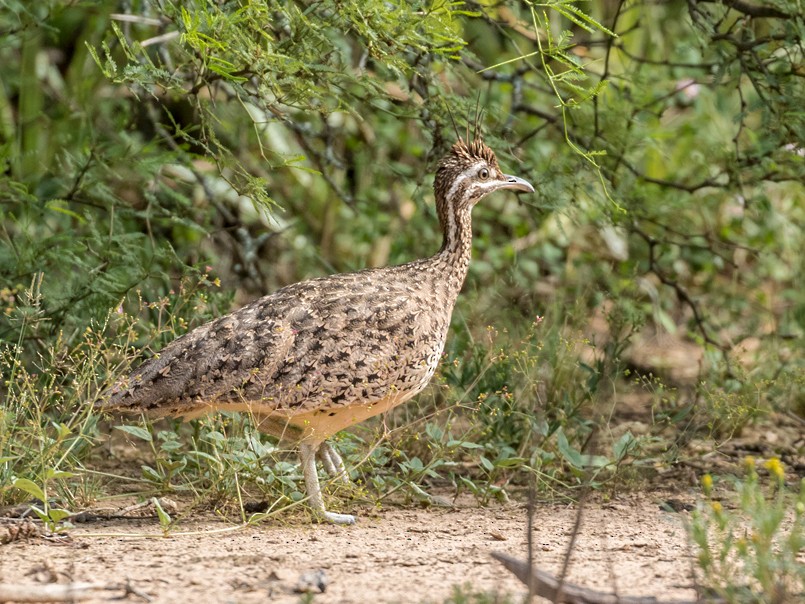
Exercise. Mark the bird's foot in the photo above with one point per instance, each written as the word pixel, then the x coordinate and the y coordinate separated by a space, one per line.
pixel 334 517
pixel 308 454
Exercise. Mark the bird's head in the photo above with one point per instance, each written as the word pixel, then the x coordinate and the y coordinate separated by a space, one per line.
pixel 468 173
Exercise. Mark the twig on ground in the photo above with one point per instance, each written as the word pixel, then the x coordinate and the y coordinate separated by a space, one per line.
pixel 545 585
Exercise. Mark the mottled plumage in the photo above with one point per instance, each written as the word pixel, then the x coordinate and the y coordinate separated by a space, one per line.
pixel 318 356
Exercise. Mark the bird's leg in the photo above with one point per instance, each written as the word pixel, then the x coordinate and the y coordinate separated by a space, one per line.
pixel 308 455
pixel 332 462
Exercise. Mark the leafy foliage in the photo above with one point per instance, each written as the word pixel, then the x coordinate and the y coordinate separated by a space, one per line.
pixel 751 554
pixel 152 152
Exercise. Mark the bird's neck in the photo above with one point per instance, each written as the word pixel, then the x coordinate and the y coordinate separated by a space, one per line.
pixel 457 235
pixel 452 261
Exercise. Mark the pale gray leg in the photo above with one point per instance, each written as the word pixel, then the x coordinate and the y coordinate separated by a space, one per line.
pixel 332 462
pixel 308 455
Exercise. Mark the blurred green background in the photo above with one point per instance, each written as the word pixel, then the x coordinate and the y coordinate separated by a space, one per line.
pixel 164 162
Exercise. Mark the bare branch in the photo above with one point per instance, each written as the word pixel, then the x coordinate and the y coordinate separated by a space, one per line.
pixel 547 586
pixel 750 10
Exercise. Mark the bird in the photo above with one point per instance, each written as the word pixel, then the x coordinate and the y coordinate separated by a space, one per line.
pixel 320 355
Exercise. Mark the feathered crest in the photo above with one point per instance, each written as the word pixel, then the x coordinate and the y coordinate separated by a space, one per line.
pixel 474 151
pixel 463 149
pixel 462 154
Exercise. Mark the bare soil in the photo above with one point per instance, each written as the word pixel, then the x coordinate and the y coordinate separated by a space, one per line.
pixel 628 545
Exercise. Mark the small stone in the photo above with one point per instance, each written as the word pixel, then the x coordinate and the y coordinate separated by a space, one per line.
pixel 313 582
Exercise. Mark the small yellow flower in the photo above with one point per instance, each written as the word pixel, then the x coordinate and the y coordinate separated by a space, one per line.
pixel 775 468
pixel 749 462
pixel 716 507
pixel 707 484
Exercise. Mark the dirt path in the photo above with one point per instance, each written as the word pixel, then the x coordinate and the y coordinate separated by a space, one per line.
pixel 397 555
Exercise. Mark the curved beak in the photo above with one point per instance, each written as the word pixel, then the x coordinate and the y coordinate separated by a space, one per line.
pixel 516 184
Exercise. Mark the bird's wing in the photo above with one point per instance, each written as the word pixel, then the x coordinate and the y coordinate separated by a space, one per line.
pixel 353 342
pixel 211 360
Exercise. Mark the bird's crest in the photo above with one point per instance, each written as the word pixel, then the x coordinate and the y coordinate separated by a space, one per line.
pixel 465 150
pixel 474 151
pixel 462 154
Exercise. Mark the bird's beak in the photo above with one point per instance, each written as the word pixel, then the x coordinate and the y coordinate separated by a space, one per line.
pixel 516 184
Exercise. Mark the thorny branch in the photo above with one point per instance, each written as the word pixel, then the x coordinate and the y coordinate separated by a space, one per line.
pixel 681 293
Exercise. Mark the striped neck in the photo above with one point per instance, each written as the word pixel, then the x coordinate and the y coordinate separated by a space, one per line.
pixel 453 258
pixel 456 225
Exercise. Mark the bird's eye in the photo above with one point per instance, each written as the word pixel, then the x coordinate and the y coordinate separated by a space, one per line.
pixel 483 173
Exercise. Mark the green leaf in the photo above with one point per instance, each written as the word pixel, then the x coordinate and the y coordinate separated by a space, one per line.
pixel 136 431
pixel 488 465
pixel 415 464
pixel 621 447
pixel 596 461
pixel 418 491
pixel 212 460
pixel 58 514
pixel 164 518
pixel 169 446
pixel 215 437
pixel 172 467
pixel 470 485
pixel 434 432
pixel 510 462
pixel 579 17
pixel 40 513
pixel 53 205
pixel 64 430
pixel 30 487
pixel 571 455
pixel 453 443
pixel 151 474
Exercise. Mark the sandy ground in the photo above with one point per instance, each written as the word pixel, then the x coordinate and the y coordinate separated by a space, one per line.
pixel 394 555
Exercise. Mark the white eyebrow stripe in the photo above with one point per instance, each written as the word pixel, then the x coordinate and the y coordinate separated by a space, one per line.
pixel 469 172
